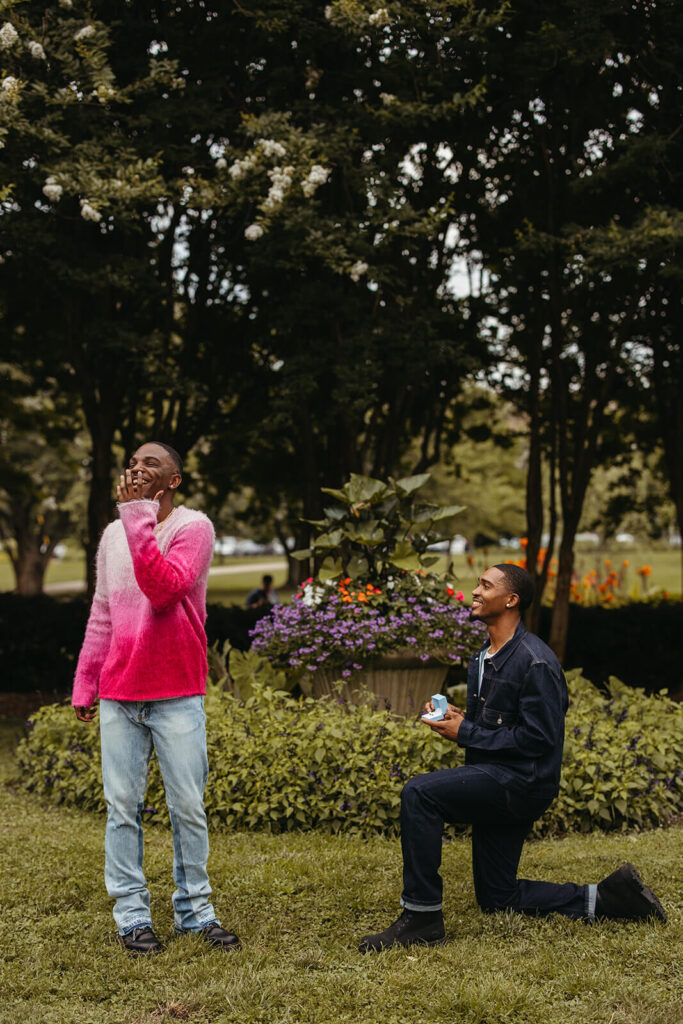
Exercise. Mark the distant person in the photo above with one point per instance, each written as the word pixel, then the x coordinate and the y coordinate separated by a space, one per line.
pixel 144 659
pixel 512 732
pixel 263 596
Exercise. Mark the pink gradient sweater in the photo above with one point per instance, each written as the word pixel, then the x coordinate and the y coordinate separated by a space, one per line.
pixel 145 637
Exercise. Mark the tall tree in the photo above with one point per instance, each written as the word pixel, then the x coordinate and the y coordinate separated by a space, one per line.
pixel 554 172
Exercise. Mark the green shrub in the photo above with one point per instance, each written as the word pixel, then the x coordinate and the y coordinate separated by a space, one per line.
pixel 280 763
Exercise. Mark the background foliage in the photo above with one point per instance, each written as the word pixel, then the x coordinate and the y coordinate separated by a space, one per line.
pixel 286 236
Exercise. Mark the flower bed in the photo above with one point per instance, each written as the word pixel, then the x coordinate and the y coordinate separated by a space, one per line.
pixel 345 628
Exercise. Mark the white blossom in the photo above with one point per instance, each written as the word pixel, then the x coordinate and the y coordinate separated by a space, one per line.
pixel 8 36
pixel 357 270
pixel 281 178
pixel 329 12
pixel 271 148
pixel 66 4
pixel 253 232
pixel 85 33
pixel 36 50
pixel 317 176
pixel 9 84
pixel 89 212
pixel 52 189
pixel 221 163
pixel 387 98
pixel 380 17
pixel 240 167
pixel 104 92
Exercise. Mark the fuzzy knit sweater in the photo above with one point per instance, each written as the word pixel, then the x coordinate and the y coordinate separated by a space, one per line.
pixel 145 637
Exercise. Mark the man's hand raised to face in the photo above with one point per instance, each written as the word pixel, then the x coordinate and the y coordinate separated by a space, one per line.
pixel 449 726
pixel 129 489
pixel 86 714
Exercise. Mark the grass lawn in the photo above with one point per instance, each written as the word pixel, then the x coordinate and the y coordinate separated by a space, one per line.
pixel 300 903
pixel 232 588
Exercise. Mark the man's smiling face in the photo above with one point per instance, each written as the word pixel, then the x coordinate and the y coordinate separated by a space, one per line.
pixel 153 469
pixel 491 598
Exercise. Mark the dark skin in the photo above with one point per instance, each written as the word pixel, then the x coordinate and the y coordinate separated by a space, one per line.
pixel 151 474
pixel 494 604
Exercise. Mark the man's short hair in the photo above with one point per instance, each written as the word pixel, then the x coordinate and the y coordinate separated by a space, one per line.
pixel 519 582
pixel 267 579
pixel 173 453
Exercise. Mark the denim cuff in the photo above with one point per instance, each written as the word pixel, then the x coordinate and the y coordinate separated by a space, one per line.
pixel 200 927
pixel 591 899
pixel 138 924
pixel 426 908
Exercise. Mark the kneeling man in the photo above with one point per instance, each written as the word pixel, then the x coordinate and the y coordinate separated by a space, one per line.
pixel 513 733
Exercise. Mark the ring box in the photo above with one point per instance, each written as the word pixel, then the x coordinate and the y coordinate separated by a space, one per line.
pixel 440 708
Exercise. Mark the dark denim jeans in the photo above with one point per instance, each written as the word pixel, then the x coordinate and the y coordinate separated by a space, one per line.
pixel 470 795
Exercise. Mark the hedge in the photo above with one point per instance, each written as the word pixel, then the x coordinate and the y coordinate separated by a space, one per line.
pixel 41 636
pixel 280 763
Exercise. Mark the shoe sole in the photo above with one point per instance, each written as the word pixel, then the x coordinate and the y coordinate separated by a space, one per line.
pixel 654 906
pixel 404 945
pixel 141 952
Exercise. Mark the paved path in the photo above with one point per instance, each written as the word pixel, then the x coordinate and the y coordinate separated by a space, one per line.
pixel 272 564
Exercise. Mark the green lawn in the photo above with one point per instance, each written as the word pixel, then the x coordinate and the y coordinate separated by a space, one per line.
pixel 233 587
pixel 300 903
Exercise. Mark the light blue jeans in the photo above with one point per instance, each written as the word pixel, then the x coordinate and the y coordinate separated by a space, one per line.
pixel 130 730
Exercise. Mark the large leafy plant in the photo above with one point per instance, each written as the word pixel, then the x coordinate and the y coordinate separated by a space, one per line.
pixel 374 529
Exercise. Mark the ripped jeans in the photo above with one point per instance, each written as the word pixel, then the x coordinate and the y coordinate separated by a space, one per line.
pixel 130 731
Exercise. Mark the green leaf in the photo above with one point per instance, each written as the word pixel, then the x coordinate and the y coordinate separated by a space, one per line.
pixel 409 484
pixel 330 568
pixel 301 554
pixel 448 511
pixel 339 495
pixel 357 566
pixel 328 540
pixel 404 557
pixel 335 513
pixel 368 532
pixel 361 490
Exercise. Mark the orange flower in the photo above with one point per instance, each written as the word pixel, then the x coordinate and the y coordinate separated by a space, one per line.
pixel 608 598
pixel 645 570
pixel 608 562
pixel 523 542
pixel 626 563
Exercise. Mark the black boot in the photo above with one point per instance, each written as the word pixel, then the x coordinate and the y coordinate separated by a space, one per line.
pixel 141 942
pixel 622 894
pixel 219 938
pixel 424 927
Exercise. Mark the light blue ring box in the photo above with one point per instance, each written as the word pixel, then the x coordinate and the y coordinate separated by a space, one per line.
pixel 440 708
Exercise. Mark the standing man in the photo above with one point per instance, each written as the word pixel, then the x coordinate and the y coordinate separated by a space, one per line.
pixel 144 658
pixel 512 732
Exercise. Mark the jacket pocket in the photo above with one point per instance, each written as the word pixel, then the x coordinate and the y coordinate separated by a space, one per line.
pixel 493 719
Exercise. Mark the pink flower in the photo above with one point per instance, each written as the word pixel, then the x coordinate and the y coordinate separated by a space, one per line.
pixel 460 596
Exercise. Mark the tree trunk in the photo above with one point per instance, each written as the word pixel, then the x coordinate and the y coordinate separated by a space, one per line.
pixel 559 623
pixel 99 499
pixel 29 571
pixel 534 490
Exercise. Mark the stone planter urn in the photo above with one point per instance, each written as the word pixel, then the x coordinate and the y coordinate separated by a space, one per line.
pixel 401 682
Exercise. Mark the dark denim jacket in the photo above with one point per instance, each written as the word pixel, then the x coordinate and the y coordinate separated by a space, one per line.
pixel 514 728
